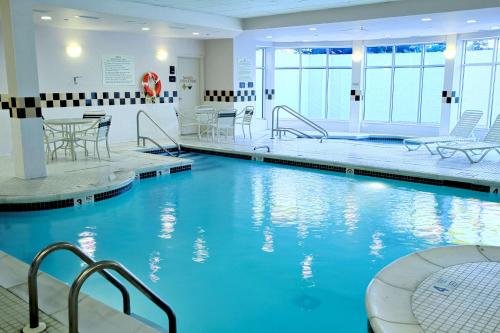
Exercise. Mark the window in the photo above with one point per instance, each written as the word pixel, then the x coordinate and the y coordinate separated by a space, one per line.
pixel 403 83
pixel 480 87
pixel 260 72
pixel 314 81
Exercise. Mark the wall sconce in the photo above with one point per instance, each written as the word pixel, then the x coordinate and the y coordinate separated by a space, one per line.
pixel 357 56
pixel 450 53
pixel 73 50
pixel 161 55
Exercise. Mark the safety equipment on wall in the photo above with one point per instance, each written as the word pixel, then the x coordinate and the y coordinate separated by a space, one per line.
pixel 157 84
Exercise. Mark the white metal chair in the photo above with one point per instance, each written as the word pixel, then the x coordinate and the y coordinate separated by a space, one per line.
pixel 96 133
pixel 185 121
pixel 463 131
pixel 475 151
pixel 206 119
pixel 94 114
pixel 245 119
pixel 226 120
pixel 53 136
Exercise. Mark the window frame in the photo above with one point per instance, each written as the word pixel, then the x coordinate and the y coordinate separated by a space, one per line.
pixel 327 67
pixel 493 64
pixel 422 66
pixel 263 83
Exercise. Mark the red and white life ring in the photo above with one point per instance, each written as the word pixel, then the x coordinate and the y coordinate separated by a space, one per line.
pixel 157 82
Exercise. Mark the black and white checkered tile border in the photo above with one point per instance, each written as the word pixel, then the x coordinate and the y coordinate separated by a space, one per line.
pixel 356 95
pixel 450 97
pixel 269 94
pixel 31 107
pixel 230 96
pixel 61 100
pixel 21 107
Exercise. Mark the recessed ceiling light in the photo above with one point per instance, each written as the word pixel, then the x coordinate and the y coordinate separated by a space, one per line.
pixel 145 28
pixel 471 21
pixel 313 29
pixel 46 18
pixel 196 33
pixel 495 28
pixel 77 16
pixel 426 19
pixel 269 37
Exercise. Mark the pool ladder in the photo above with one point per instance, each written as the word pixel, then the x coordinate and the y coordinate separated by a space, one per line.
pixel 144 138
pixel 100 267
pixel 276 129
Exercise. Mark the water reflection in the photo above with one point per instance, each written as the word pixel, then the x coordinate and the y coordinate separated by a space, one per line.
pixel 168 223
pixel 87 241
pixel 377 244
pixel 154 266
pixel 307 272
pixel 351 215
pixel 268 240
pixel 200 254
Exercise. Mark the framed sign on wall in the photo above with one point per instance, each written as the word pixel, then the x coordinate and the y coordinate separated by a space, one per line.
pixel 118 70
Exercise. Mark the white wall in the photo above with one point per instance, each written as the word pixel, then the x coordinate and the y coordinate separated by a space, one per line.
pixel 218 64
pixel 56 71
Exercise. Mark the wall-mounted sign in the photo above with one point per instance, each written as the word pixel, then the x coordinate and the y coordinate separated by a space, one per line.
pixel 245 70
pixel 118 70
pixel 172 70
pixel 171 78
pixel 187 82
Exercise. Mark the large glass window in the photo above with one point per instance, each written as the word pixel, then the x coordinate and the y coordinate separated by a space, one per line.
pixel 403 83
pixel 480 86
pixel 314 81
pixel 260 71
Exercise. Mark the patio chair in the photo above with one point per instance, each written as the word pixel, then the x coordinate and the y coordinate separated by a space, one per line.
pixel 185 121
pixel 206 120
pixel 226 120
pixel 475 151
pixel 463 131
pixel 53 136
pixel 244 118
pixel 96 133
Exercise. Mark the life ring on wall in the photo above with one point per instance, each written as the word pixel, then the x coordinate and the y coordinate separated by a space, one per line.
pixel 145 84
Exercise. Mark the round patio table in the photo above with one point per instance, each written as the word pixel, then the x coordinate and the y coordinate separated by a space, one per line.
pixel 69 129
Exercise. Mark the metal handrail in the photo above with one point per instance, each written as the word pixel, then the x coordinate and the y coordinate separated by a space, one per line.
pixel 144 138
pixel 262 147
pixel 33 271
pixel 307 121
pixel 112 265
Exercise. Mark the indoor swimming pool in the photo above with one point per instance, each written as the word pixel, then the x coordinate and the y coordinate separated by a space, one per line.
pixel 243 246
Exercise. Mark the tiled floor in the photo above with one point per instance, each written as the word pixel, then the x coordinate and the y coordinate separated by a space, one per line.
pixel 375 156
pixel 68 179
pixel 14 315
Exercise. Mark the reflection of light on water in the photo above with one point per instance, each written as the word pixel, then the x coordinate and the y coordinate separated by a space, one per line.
pixel 351 213
pixel 307 272
pixel 376 244
pixel 474 222
pixel 154 266
pixel 258 200
pixel 376 185
pixel 168 223
pixel 200 254
pixel 87 242
pixel 268 240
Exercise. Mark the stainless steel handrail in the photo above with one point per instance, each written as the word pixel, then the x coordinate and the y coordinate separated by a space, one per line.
pixel 33 272
pixel 307 121
pixel 144 138
pixel 112 265
pixel 262 147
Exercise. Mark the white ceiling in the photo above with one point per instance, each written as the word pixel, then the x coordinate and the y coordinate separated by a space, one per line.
pixel 253 8
pixel 394 27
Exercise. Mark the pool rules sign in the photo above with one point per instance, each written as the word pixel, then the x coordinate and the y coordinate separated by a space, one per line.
pixel 118 70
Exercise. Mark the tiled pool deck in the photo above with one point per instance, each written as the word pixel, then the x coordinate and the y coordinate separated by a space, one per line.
pixel 369 157
pixel 94 316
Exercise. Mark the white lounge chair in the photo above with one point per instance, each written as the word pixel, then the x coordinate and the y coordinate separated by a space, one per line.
pixel 463 131
pixel 475 151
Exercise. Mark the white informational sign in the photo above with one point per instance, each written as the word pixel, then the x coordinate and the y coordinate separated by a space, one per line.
pixel 118 70
pixel 245 69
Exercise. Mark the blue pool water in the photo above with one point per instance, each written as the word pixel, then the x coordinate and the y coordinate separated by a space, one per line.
pixel 241 246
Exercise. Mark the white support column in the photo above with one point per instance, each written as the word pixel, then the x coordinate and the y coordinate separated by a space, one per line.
pixel 453 56
pixel 22 78
pixel 269 92
pixel 356 112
